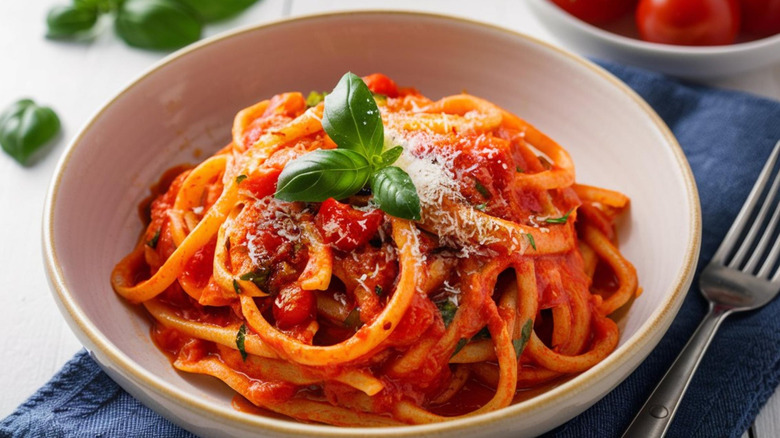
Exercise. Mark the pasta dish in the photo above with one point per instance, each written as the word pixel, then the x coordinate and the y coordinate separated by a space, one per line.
pixel 443 263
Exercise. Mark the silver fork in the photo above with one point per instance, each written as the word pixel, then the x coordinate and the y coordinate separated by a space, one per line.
pixel 742 275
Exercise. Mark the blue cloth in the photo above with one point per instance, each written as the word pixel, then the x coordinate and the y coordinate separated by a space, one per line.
pixel 726 136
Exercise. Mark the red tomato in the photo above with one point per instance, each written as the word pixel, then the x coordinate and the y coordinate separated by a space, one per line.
pixel 381 84
pixel 596 11
pixel 688 22
pixel 293 306
pixel 345 227
pixel 760 17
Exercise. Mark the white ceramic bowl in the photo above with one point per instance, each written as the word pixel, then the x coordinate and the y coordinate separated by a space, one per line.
pixel 620 42
pixel 182 109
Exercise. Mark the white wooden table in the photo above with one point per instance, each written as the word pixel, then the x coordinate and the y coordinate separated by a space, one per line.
pixel 76 79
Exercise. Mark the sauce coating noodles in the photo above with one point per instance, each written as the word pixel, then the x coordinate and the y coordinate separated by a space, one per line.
pixel 338 313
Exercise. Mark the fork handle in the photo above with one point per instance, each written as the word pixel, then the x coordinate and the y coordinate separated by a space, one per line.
pixel 654 418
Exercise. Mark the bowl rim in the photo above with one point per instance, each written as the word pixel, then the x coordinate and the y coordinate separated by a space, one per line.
pixel 86 329
pixel 648 47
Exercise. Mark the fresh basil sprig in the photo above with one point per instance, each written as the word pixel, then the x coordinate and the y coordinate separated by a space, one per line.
pixel 352 120
pixel 147 24
pixel 25 127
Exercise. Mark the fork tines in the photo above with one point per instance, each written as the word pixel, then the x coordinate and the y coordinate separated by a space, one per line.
pixel 756 228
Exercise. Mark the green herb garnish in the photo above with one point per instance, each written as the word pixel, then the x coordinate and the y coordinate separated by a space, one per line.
pixel 525 335
pixel 519 170
pixel 69 21
pixel 378 290
pixel 481 207
pixel 484 333
pixel 157 24
pixel 559 220
pixel 353 319
pixel 25 127
pixel 314 98
pixel 352 120
pixel 459 346
pixel 481 189
pixel 152 243
pixel 240 339
pixel 259 277
pixel 236 287
pixel 531 240
pixel 448 310
pixel 240 178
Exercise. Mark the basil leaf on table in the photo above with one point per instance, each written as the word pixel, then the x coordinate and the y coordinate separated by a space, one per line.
pixel 395 193
pixel 67 21
pixel 323 174
pixel 157 24
pixel 215 10
pixel 25 127
pixel 352 119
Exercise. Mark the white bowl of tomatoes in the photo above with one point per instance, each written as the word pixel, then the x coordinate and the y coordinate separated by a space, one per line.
pixel 685 38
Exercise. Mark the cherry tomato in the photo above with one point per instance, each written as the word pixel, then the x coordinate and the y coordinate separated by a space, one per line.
pixel 344 227
pixel 760 17
pixel 596 11
pixel 688 22
pixel 293 306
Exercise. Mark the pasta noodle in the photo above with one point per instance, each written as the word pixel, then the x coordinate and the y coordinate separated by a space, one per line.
pixel 336 312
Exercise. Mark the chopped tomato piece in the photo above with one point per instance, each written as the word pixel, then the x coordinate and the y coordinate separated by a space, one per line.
pixel 345 227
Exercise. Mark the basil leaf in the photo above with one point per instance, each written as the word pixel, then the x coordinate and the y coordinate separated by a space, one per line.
pixel 66 21
pixel 236 287
pixel 391 155
pixel 215 10
pixel 525 335
pixel 378 290
pixel 323 174
pixel 395 193
pixel 559 220
pixel 157 24
pixel 352 119
pixel 240 339
pixel 481 207
pixel 240 178
pixel 25 128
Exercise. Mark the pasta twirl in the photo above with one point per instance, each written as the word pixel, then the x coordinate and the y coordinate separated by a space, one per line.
pixel 336 312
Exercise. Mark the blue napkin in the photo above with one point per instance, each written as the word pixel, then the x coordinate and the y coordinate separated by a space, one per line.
pixel 726 136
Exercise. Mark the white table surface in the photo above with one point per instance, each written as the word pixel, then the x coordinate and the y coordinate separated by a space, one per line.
pixel 76 79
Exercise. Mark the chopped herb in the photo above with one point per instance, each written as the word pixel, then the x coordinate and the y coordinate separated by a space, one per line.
pixel 448 310
pixel 236 287
pixel 531 240
pixel 259 277
pixel 481 189
pixel 240 178
pixel 462 343
pixel 152 243
pixel 314 98
pixel 378 290
pixel 525 335
pixel 240 339
pixel 519 170
pixel 559 220
pixel 353 319
pixel 482 334
pixel 481 207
